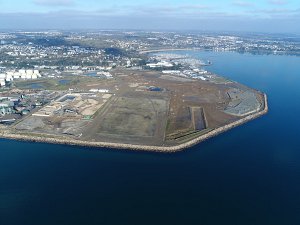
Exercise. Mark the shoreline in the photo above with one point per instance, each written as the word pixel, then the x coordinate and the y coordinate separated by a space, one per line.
pixel 120 146
pixel 171 49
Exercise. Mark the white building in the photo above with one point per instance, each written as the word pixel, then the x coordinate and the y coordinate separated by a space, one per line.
pixel 16 75
pixel 160 64
pixel 21 74
pixel 99 90
pixel 2 82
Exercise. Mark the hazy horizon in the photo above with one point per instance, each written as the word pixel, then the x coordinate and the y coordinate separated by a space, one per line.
pixel 268 16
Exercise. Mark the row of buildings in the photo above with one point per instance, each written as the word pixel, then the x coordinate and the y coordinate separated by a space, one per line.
pixel 20 74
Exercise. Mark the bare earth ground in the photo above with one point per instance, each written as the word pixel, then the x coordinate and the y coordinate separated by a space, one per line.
pixel 131 113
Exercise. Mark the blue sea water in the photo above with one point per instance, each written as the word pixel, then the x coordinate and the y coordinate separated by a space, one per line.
pixel 247 176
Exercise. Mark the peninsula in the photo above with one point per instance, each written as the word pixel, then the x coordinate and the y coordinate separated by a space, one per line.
pixel 154 101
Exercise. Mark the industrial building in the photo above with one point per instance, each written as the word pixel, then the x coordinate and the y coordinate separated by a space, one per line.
pixel 20 74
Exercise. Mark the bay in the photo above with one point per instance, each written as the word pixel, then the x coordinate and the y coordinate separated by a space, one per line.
pixel 249 175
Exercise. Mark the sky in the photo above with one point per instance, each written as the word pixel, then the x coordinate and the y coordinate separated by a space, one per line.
pixel 275 16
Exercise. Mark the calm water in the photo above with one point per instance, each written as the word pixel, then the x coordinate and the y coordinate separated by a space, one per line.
pixel 248 176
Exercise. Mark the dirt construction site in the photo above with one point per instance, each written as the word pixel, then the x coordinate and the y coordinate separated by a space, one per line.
pixel 143 107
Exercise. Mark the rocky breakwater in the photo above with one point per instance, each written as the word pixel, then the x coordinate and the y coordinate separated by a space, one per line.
pixel 58 140
pixel 227 127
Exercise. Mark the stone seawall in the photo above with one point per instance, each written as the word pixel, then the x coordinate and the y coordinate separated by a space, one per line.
pixel 169 149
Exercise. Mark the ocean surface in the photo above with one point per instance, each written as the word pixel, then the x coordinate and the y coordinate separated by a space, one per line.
pixel 247 176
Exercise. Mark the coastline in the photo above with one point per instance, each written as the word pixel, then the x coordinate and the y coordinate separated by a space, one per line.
pixel 171 49
pixel 162 149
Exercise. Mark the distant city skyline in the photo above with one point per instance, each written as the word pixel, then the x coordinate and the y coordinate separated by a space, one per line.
pixel 276 16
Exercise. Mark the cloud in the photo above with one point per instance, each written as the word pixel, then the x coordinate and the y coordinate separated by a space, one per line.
pixel 243 4
pixel 67 21
pixel 157 16
pixel 169 9
pixel 278 2
pixel 277 14
pixel 54 2
pixel 286 12
pixel 181 11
